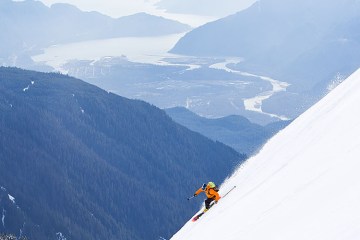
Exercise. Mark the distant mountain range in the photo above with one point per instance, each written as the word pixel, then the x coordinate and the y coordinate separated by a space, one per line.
pixel 30 25
pixel 204 7
pixel 235 131
pixel 309 44
pixel 80 163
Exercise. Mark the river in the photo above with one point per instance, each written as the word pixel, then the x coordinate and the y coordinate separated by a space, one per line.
pixel 153 50
pixel 255 103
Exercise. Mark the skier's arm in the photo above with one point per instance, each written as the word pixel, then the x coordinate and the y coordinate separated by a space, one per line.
pixel 198 191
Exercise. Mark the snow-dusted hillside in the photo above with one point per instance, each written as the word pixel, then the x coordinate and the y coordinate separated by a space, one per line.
pixel 303 185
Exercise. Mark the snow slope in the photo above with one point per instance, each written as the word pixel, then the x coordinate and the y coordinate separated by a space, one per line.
pixel 303 185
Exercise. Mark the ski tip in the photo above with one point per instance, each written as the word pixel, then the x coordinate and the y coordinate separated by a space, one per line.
pixel 194 219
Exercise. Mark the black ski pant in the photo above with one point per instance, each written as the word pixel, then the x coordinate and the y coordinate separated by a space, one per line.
pixel 208 202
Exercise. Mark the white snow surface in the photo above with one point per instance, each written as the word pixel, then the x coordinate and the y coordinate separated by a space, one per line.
pixel 303 185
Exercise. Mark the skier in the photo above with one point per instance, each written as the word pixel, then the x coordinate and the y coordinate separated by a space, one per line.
pixel 211 193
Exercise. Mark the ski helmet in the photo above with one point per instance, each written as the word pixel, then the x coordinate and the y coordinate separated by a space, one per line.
pixel 211 184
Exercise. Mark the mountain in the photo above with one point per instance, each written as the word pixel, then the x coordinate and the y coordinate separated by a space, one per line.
pixel 83 163
pixel 143 25
pixel 204 7
pixel 302 185
pixel 72 24
pixel 235 131
pixel 32 26
pixel 305 43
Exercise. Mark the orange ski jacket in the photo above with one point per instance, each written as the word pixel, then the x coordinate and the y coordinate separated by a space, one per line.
pixel 210 193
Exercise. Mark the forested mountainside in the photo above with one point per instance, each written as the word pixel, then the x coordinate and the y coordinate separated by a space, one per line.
pixel 83 163
pixel 235 131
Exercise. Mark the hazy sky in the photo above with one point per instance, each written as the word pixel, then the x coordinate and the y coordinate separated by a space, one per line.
pixel 118 8
pixel 113 8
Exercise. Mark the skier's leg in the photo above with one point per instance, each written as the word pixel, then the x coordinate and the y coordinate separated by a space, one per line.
pixel 207 203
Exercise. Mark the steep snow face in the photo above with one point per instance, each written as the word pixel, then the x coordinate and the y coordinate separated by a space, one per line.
pixel 304 184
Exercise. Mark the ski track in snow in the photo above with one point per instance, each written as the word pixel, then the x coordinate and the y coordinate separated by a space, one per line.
pixel 254 104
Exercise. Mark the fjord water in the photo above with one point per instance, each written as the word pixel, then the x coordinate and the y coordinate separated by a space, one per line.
pixel 136 49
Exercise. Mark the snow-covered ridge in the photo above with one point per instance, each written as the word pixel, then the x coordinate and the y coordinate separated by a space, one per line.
pixel 304 184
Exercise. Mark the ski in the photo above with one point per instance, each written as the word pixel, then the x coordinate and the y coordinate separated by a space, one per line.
pixel 212 204
pixel 197 216
pixel 202 213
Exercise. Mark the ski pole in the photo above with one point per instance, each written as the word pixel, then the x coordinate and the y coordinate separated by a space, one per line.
pixel 229 191
pixel 190 197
